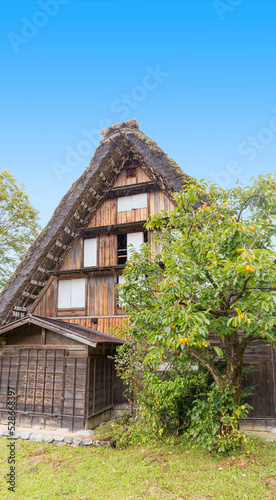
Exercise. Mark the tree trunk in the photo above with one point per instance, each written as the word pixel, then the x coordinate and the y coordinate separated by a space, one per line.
pixel 235 352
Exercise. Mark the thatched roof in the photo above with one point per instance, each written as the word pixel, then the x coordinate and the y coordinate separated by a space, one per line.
pixel 122 142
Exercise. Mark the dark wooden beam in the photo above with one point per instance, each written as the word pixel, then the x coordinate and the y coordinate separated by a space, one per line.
pixel 89 270
pixel 142 187
pixel 116 228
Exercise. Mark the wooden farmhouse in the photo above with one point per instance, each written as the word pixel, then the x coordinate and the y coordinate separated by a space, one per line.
pixel 57 308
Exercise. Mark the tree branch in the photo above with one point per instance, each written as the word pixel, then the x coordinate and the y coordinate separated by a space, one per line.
pixel 245 203
pixel 209 365
pixel 240 294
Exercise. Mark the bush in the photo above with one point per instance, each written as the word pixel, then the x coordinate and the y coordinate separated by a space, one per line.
pixel 215 421
pixel 165 401
pixel 163 396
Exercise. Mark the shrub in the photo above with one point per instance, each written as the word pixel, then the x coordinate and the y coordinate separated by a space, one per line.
pixel 215 421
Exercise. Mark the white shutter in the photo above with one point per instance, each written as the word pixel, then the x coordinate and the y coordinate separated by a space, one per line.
pixel 124 204
pixel 135 239
pixel 64 294
pixel 121 281
pixel 139 201
pixel 90 252
pixel 78 293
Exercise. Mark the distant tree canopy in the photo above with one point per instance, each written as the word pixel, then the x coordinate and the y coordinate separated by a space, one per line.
pixel 18 224
pixel 216 272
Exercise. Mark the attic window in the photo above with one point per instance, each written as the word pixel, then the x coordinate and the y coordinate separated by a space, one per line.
pixel 71 294
pixel 133 202
pixel 131 173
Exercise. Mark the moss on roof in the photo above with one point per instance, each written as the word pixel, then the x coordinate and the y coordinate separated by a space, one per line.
pixel 155 149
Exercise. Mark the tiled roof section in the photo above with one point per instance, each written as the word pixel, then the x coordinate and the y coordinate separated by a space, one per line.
pixel 80 333
pixel 84 331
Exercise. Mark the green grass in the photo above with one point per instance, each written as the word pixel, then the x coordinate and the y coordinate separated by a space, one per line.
pixel 149 471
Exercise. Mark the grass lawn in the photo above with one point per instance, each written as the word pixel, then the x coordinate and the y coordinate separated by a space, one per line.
pixel 160 471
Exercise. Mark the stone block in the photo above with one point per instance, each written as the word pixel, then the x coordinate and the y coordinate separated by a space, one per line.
pixel 25 435
pixel 5 433
pixel 59 439
pixel 48 438
pixel 38 438
pixel 68 440
pixel 87 442
pixel 77 441
pixel 89 433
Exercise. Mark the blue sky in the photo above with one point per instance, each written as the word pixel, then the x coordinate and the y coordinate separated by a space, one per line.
pixel 199 76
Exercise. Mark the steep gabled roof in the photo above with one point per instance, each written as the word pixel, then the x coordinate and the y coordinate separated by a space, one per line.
pixel 87 336
pixel 122 142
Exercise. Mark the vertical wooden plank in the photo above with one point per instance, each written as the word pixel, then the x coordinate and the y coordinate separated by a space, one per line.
pixel 17 378
pixel 63 385
pixel 35 379
pixel 53 386
pixel 44 381
pixel 74 390
pixel 94 385
pixel 105 296
pixel 86 407
pixel 26 382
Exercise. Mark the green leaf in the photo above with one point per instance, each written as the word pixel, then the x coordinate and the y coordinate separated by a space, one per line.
pixel 218 350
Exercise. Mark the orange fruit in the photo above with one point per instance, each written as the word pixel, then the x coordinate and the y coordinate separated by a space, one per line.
pixel 186 340
pixel 170 283
pixel 252 228
pixel 249 269
pixel 181 341
pixel 242 316
pixel 173 326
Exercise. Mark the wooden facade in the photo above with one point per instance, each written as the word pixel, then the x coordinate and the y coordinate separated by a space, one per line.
pixel 100 309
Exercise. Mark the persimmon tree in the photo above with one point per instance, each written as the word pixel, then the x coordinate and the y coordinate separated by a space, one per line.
pixel 18 224
pixel 215 272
